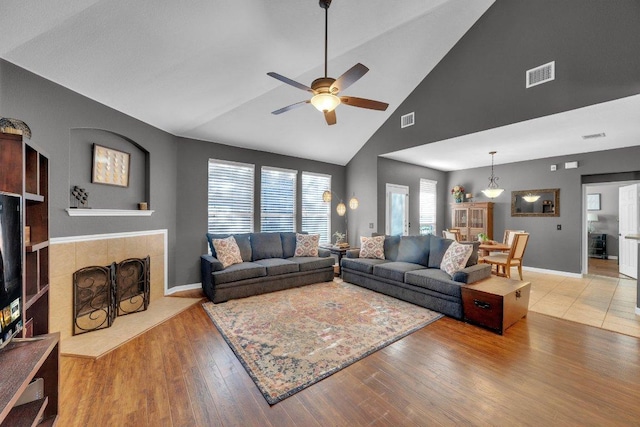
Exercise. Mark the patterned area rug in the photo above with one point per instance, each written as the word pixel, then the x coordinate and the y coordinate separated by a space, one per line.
pixel 291 339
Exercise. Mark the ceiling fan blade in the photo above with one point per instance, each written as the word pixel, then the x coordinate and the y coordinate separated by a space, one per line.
pixel 363 103
pixel 330 117
pixel 348 78
pixel 290 107
pixel 290 82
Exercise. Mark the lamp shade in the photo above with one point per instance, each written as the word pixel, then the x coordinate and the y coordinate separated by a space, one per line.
pixel 492 193
pixel 325 101
pixel 341 209
pixel 531 197
pixel 326 196
pixel 591 217
pixel 354 203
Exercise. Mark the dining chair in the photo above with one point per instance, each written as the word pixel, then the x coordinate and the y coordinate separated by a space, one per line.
pixel 505 261
pixel 451 234
pixel 507 240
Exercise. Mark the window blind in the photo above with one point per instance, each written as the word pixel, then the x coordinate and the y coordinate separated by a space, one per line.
pixel 278 199
pixel 427 206
pixel 230 197
pixel 316 214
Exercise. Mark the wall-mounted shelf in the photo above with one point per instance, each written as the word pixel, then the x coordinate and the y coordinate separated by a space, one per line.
pixel 108 212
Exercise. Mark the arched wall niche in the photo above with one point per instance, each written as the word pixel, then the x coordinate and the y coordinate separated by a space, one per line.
pixel 103 196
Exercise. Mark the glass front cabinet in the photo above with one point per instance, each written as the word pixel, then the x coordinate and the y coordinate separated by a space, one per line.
pixel 472 218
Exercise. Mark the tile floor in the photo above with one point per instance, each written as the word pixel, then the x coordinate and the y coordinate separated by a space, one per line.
pixel 604 302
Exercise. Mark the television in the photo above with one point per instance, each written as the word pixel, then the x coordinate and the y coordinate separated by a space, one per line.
pixel 10 266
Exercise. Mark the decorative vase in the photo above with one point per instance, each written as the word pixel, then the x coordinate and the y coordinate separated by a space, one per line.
pixel 458 199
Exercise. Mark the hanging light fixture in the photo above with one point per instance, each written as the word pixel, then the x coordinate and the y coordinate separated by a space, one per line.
pixel 326 196
pixel 531 197
pixel 353 202
pixel 341 209
pixel 492 191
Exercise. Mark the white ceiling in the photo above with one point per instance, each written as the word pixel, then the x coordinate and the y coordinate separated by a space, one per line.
pixel 200 72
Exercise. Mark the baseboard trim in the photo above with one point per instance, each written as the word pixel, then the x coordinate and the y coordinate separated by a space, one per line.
pixel 181 288
pixel 637 311
pixel 557 273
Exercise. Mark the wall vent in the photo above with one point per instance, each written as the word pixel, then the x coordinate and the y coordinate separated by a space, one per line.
pixel 594 136
pixel 408 120
pixel 542 74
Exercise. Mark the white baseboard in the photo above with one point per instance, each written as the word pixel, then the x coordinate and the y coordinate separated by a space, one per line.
pixel 612 257
pixel 181 288
pixel 637 311
pixel 557 273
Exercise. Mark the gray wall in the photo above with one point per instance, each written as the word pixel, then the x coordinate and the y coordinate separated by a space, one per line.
pixel 193 157
pixel 52 112
pixel 548 247
pixel 479 85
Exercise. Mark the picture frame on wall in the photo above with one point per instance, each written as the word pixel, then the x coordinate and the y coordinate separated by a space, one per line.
pixel 110 166
pixel 593 202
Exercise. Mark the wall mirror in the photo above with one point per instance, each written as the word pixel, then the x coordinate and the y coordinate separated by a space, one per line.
pixel 536 202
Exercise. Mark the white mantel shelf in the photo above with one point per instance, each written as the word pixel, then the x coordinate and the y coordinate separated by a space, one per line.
pixel 108 212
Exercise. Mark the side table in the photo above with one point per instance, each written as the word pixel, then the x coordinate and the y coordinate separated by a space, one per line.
pixel 338 253
pixel 496 303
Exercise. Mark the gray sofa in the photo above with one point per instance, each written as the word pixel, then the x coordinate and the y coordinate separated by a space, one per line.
pixel 411 272
pixel 268 265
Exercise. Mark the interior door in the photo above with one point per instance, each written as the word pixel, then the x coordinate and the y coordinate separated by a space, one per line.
pixel 397 208
pixel 628 214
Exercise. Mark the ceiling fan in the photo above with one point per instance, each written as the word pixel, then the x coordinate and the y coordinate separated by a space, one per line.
pixel 325 89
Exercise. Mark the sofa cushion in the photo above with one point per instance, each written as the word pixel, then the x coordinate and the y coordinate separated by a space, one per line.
pixel 288 239
pixel 364 265
pixel 313 263
pixel 414 249
pixel 277 266
pixel 473 259
pixel 242 240
pixel 437 248
pixel 242 271
pixel 266 245
pixel 391 247
pixel 395 270
pixel 372 247
pixel 227 251
pixel 307 245
pixel 455 258
pixel 435 280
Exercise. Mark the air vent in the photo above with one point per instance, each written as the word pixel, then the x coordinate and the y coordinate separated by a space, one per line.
pixel 594 136
pixel 408 120
pixel 542 74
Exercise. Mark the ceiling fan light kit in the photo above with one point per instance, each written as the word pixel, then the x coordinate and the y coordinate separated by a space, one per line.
pixel 325 89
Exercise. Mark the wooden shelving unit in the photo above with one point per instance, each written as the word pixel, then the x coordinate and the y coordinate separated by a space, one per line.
pixel 472 218
pixel 25 171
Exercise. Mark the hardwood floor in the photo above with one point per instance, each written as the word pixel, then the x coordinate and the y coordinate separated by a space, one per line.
pixel 543 371
pixel 605 267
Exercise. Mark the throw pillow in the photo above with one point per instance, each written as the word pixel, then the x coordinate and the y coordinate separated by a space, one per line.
pixel 455 258
pixel 227 251
pixel 372 247
pixel 306 244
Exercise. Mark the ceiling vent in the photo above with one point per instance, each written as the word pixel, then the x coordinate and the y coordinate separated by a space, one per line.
pixel 408 120
pixel 594 136
pixel 542 74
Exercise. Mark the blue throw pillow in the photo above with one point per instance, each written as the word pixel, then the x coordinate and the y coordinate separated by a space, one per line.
pixel 414 249
pixel 266 245
pixel 437 248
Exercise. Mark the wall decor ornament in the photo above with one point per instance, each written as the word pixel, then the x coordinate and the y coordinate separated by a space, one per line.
pixel 81 197
pixel 110 166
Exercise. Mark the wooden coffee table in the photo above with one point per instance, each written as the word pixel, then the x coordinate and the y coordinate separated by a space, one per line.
pixel 496 303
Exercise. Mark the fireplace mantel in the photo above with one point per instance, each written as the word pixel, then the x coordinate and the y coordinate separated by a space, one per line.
pixel 108 212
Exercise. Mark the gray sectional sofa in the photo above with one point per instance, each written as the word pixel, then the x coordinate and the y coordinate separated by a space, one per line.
pixel 411 272
pixel 268 265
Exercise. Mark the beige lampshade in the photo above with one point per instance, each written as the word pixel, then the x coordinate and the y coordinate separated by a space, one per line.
pixel 326 196
pixel 341 209
pixel 354 203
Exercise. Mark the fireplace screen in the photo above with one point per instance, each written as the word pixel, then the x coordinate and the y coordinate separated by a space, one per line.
pixel 102 293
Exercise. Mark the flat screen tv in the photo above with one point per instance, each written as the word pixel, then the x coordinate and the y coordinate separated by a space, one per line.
pixel 10 266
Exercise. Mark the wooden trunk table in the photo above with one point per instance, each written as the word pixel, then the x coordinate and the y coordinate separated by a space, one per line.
pixel 496 303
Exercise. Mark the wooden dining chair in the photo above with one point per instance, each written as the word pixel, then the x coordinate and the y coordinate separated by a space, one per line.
pixel 507 240
pixel 451 234
pixel 505 261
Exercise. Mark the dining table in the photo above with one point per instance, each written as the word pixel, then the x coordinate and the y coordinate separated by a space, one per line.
pixel 485 248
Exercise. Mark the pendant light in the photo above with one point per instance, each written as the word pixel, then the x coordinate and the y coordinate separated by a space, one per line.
pixel 530 198
pixel 492 191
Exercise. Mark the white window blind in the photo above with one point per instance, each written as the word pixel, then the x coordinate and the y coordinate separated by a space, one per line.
pixel 230 201
pixel 427 206
pixel 316 214
pixel 278 199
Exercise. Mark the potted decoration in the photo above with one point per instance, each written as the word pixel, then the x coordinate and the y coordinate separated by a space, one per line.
pixel 340 239
pixel 458 193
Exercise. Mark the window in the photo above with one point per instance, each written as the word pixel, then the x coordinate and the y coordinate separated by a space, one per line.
pixel 316 214
pixel 427 206
pixel 278 199
pixel 230 197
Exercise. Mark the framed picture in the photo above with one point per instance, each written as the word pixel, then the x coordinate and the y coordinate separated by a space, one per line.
pixel 593 202
pixel 110 166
